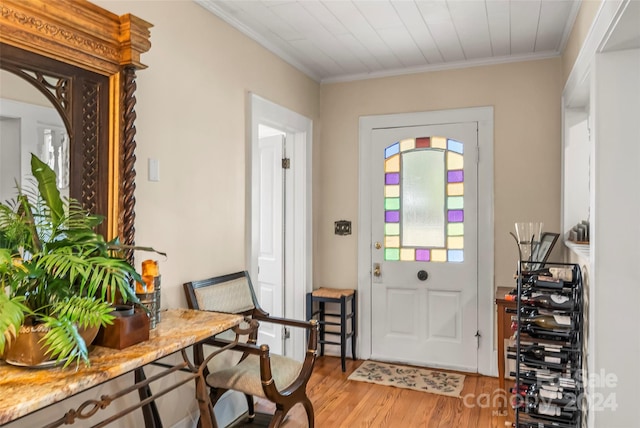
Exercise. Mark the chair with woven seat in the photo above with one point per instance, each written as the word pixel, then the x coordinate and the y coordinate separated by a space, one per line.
pixel 345 299
pixel 279 379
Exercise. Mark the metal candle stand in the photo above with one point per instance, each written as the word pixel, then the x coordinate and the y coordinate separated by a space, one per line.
pixel 151 301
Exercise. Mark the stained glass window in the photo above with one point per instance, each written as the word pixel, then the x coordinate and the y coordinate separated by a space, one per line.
pixel 424 200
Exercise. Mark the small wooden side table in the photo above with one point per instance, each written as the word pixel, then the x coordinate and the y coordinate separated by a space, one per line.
pixel 504 330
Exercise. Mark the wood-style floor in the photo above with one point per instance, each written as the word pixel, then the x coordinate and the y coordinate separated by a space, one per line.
pixel 339 402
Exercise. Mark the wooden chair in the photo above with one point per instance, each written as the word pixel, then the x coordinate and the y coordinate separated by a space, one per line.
pixel 279 379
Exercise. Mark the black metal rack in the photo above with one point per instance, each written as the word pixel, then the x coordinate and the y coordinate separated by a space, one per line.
pixel 548 392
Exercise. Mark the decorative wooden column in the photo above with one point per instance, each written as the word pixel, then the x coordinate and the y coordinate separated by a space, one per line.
pixel 128 161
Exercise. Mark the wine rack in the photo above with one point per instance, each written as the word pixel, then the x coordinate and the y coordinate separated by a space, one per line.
pixel 548 352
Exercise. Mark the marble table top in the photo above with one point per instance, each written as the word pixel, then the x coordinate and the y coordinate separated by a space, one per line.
pixel 25 390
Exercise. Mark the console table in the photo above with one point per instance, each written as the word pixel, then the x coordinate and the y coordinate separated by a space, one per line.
pixel 23 390
pixel 504 330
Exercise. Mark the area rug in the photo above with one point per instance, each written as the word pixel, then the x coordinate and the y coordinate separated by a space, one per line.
pixel 432 381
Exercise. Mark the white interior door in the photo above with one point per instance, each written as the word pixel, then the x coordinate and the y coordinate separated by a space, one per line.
pixel 270 280
pixel 424 224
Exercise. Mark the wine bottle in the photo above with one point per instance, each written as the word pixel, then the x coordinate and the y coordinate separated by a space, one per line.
pixel 546 409
pixel 551 301
pixel 538 333
pixel 539 391
pixel 550 380
pixel 547 282
pixel 538 363
pixel 541 424
pixel 541 353
pixel 563 273
pixel 552 322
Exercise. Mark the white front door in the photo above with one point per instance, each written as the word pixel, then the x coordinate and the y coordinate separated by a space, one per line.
pixel 270 281
pixel 424 291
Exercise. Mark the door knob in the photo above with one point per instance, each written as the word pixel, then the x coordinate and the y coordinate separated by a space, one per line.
pixel 423 275
pixel 376 269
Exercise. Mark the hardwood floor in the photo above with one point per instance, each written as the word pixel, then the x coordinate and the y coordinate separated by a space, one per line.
pixel 339 402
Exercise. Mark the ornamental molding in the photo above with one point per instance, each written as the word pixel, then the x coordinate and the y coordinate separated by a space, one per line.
pixel 51 30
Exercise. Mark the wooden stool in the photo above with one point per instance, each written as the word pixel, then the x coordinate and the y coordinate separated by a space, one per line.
pixel 334 295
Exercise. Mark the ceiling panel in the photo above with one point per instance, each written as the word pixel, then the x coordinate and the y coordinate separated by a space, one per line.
pixel 332 40
pixel 438 19
pixel 499 20
pixel 551 25
pixel 415 24
pixel 524 26
pixel 470 21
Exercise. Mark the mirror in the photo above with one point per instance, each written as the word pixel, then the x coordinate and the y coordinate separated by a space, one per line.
pixel 29 124
pixel 83 60
pixel 81 100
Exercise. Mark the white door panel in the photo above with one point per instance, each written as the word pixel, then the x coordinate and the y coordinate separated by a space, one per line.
pixel 425 191
pixel 270 281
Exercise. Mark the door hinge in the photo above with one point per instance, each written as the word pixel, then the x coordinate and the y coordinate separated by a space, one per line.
pixel 286 333
pixel 477 154
pixel 478 336
pixel 286 163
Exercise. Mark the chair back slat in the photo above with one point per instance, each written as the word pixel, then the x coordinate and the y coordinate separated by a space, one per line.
pixel 232 296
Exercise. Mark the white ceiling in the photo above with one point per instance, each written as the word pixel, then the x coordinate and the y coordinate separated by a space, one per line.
pixel 338 40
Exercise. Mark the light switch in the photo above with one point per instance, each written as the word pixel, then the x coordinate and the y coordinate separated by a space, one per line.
pixel 154 170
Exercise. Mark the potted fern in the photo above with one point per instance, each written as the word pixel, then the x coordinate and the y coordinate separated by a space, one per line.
pixel 58 277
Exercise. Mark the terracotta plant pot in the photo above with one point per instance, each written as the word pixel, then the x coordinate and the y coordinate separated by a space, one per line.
pixel 27 350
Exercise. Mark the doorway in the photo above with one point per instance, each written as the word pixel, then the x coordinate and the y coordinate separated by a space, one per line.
pixel 279 217
pixel 450 324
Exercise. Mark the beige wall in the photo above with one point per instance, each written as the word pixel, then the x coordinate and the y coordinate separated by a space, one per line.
pixel 191 117
pixel 526 101
pixel 581 27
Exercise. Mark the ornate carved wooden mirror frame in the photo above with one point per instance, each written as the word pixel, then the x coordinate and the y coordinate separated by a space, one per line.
pixel 84 59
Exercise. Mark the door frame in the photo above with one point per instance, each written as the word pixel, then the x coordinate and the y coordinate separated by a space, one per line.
pixel 298 266
pixel 484 117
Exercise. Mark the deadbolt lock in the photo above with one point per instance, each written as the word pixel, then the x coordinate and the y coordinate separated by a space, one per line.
pixel 376 269
pixel 378 245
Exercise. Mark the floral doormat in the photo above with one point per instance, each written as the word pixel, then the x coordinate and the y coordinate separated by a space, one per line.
pixel 436 382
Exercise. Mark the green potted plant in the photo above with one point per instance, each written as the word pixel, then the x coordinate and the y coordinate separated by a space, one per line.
pixel 57 275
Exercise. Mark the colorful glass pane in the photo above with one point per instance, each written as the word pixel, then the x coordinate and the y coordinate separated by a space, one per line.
pixel 392 216
pixel 423 255
pixel 392 229
pixel 438 255
pixel 408 144
pixel 454 216
pixel 454 161
pixel 392 150
pixel 391 191
pixel 394 204
pixel 455 229
pixel 391 254
pixel 455 176
pixel 407 254
pixel 424 198
pixel 455 242
pixel 455 189
pixel 423 143
pixel 456 256
pixel 392 241
pixel 392 164
pixel 454 146
pixel 394 178
pixel 438 143
pixel 453 203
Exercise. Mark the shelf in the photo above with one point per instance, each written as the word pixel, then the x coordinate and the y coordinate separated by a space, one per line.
pixel 581 250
